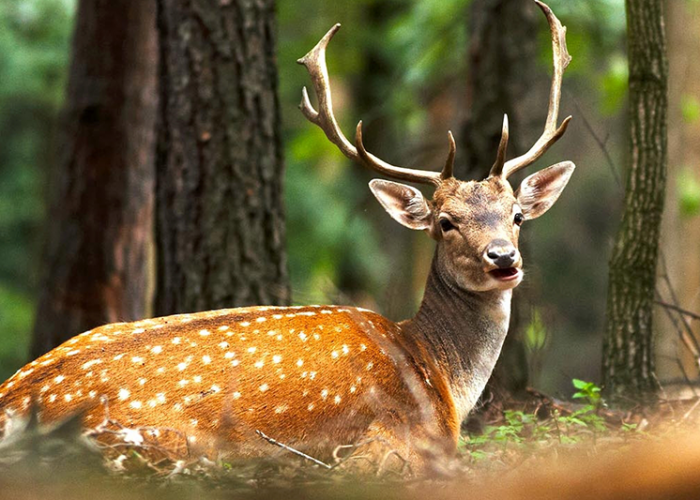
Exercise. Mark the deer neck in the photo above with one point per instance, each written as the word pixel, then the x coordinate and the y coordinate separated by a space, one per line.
pixel 463 331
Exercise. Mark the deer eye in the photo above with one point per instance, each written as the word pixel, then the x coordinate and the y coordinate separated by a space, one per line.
pixel 518 218
pixel 446 225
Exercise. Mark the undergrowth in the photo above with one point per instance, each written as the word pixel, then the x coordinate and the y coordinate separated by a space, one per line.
pixel 520 433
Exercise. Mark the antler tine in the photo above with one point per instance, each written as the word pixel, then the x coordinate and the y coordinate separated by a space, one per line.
pixel 404 174
pixel 315 63
pixel 497 168
pixel 448 169
pixel 551 133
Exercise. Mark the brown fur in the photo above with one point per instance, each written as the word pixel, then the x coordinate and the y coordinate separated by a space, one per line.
pixel 318 377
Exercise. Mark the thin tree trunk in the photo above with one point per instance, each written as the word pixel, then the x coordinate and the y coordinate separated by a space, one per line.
pixel 220 222
pixel 502 65
pixel 96 263
pixel 680 228
pixel 628 357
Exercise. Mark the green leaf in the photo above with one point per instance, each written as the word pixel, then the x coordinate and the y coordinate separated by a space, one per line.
pixel 536 333
pixel 614 85
pixel 688 189
pixel 579 384
pixel 690 108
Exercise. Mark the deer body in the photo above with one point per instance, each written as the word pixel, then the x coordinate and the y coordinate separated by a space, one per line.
pixel 311 377
pixel 320 377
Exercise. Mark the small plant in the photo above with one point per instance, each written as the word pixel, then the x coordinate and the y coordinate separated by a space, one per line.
pixel 588 391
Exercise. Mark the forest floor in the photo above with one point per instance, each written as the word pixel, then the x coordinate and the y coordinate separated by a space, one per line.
pixel 541 447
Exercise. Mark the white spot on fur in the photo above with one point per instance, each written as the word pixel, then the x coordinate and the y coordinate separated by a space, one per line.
pixel 264 387
pixel 91 363
pixel 124 394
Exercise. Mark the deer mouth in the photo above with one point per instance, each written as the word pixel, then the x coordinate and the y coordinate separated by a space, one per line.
pixel 507 274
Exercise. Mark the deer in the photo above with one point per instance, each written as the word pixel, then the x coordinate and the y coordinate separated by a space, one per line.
pixel 258 381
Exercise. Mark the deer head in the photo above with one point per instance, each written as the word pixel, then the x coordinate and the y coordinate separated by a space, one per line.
pixel 476 224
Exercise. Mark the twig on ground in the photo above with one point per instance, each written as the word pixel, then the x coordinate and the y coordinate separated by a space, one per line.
pixel 292 450
pixel 691 410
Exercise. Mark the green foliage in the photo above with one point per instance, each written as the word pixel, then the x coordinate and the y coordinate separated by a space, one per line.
pixel 536 333
pixel 688 188
pixel 16 318
pixel 690 108
pixel 522 429
pixel 587 391
pixel 614 85
pixel 34 41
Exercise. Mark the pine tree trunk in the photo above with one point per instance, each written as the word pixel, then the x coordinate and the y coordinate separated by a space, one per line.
pixel 220 222
pixel 502 65
pixel 96 258
pixel 628 357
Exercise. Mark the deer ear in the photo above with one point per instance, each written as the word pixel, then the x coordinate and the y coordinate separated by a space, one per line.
pixel 404 203
pixel 540 190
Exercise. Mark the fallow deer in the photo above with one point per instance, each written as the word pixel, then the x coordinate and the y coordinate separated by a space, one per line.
pixel 318 377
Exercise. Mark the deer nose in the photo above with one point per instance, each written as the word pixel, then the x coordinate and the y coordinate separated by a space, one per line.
pixel 502 253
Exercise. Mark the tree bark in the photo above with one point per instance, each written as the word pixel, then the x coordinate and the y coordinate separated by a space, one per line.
pixel 628 357
pixel 100 222
pixel 502 65
pixel 220 222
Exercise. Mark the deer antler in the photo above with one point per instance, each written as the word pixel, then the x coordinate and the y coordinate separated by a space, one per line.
pixel 315 63
pixel 551 133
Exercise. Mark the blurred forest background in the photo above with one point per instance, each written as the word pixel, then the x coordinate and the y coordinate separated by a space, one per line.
pixel 402 66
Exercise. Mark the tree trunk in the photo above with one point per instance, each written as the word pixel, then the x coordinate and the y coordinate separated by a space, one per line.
pixel 628 358
pixel 100 222
pixel 680 228
pixel 220 222
pixel 502 65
